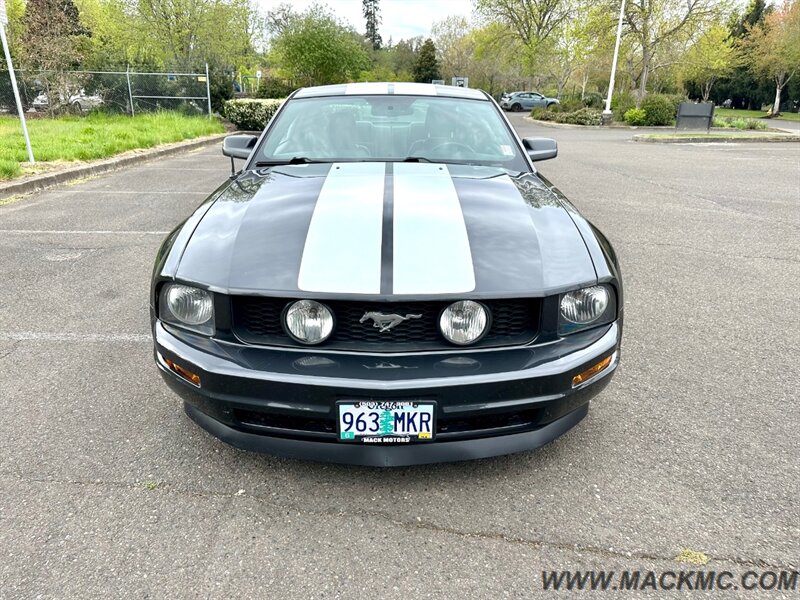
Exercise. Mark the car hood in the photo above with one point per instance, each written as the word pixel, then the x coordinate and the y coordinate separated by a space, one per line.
pixel 387 229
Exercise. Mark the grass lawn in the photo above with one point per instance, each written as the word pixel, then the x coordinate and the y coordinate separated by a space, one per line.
pixel 753 114
pixel 94 136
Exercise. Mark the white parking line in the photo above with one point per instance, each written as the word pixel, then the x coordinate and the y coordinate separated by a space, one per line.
pixel 81 232
pixel 20 336
pixel 182 169
pixel 140 193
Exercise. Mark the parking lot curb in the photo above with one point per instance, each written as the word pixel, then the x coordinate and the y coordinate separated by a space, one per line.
pixel 46 180
pixel 731 139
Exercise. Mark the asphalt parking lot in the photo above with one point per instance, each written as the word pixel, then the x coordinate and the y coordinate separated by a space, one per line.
pixel 108 490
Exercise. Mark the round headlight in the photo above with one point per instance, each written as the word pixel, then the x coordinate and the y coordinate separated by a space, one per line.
pixel 464 322
pixel 584 306
pixel 309 322
pixel 189 305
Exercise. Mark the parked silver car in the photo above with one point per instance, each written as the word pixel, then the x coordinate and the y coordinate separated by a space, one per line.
pixel 517 101
pixel 78 103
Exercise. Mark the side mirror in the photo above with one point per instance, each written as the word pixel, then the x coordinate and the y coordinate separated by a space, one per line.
pixel 540 148
pixel 238 146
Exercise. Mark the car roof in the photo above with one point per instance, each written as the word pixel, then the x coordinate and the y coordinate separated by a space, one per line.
pixel 388 88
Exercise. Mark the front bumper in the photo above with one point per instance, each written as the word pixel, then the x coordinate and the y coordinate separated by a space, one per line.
pixel 282 401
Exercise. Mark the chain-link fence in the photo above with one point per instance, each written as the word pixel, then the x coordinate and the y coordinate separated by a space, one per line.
pixel 130 92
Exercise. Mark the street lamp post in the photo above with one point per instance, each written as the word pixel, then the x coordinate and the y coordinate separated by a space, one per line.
pixel 607 114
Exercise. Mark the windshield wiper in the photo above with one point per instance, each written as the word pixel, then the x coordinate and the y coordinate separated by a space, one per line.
pixel 417 159
pixel 440 161
pixel 295 160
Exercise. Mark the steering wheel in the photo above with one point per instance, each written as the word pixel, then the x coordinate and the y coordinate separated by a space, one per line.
pixel 457 145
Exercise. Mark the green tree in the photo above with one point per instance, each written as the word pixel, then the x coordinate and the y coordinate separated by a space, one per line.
pixel 427 67
pixel 575 43
pixel 556 40
pixel 314 48
pixel 15 11
pixel 455 46
pixel 404 55
pixel 773 48
pixel 712 57
pixel 119 36
pixel 742 87
pixel 188 33
pixel 496 66
pixel 373 18
pixel 753 15
pixel 54 38
pixel 54 41
pixel 531 20
pixel 656 23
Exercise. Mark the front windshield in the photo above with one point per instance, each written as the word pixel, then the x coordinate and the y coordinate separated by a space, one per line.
pixel 392 128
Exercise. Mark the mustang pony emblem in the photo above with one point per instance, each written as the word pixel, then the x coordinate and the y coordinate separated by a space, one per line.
pixel 385 322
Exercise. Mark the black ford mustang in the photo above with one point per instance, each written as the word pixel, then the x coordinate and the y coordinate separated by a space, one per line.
pixel 387 281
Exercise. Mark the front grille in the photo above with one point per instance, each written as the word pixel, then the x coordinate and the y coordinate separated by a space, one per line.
pixel 257 320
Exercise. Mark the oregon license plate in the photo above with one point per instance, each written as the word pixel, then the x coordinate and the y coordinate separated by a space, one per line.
pixel 386 422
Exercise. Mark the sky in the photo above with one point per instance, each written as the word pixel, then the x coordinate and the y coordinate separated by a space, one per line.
pixel 400 19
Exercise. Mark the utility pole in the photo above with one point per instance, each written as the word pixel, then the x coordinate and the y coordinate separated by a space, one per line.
pixel 607 114
pixel 7 52
pixel 130 93
pixel 208 91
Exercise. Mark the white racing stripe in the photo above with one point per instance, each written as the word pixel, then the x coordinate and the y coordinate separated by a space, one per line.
pixel 343 245
pixel 431 248
pixel 414 89
pixel 367 88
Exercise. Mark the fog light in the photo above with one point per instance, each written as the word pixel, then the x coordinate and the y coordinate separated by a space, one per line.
pixel 308 322
pixel 464 322
pixel 185 373
pixel 592 371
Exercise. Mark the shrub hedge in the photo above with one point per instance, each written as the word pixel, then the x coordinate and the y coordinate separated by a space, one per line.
pixel 274 88
pixel 621 103
pixel 635 116
pixel 568 105
pixel 739 123
pixel 250 114
pixel 676 100
pixel 660 109
pixel 582 116
pixel 594 100
pixel 544 114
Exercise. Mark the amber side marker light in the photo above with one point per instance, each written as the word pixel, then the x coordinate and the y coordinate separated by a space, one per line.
pixel 591 371
pixel 187 375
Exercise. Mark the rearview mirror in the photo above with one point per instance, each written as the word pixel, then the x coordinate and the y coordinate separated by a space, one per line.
pixel 540 148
